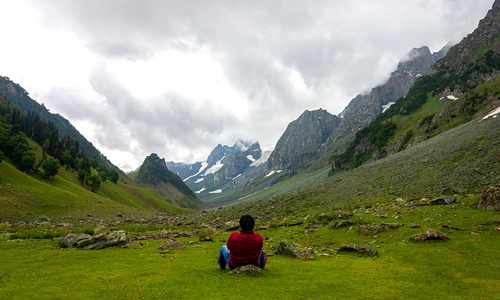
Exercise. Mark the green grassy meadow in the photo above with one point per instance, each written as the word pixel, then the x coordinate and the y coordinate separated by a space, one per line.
pixel 464 267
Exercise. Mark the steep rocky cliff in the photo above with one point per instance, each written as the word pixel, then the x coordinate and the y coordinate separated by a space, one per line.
pixel 305 135
pixel 154 174
pixel 365 107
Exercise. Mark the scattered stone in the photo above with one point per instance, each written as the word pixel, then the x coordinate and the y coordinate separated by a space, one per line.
pixel 474 233
pixel 460 191
pixel 358 249
pixel 340 224
pixel 443 200
pixel 102 241
pixel 45 219
pixel 394 225
pixel 370 229
pixel 496 221
pixel 100 229
pixel 430 234
pixel 294 250
pixel 414 226
pixel 428 220
pixel 231 225
pixel 447 191
pixel 247 269
pixel 454 228
pixel 71 239
pixel 211 231
pixel 172 245
pixel 490 198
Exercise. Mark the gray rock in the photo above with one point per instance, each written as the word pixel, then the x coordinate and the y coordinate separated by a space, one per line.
pixel 490 198
pixel 101 229
pixel 443 200
pixel 71 239
pixel 231 225
pixel 172 245
pixel 247 269
pixel 102 241
pixel 340 224
pixel 294 250
pixel 358 249
pixel 430 234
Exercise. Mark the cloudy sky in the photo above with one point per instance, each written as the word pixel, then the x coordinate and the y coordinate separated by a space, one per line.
pixel 179 77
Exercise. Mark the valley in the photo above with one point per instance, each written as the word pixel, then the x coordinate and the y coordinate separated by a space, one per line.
pixel 397 197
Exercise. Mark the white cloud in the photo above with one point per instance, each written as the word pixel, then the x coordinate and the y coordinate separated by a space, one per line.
pixel 179 77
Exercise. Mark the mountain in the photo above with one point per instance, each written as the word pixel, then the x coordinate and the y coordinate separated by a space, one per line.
pixel 457 89
pixel 301 140
pixel 20 97
pixel 365 107
pixel 155 175
pixel 228 171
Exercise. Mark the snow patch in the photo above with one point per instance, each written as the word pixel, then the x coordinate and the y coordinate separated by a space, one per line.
pixel 199 180
pixel 493 114
pixel 202 189
pixel 215 167
pixel 250 158
pixel 236 176
pixel 263 157
pixel 273 172
pixel 202 168
pixel 216 191
pixel 387 106
pixel 449 97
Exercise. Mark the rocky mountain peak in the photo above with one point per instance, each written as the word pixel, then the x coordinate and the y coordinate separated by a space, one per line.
pixel 154 174
pixel 304 135
pixel 365 107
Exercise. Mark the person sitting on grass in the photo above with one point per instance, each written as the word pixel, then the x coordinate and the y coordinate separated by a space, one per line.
pixel 243 248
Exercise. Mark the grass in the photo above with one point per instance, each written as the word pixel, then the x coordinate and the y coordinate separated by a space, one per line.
pixel 464 267
pixel 24 196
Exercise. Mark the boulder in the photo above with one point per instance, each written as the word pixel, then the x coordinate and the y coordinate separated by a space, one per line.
pixel 102 241
pixel 370 229
pixel 447 191
pixel 231 225
pixel 490 198
pixel 340 224
pixel 247 269
pixel 358 249
pixel 100 229
pixel 443 200
pixel 430 234
pixel 294 250
pixel 172 245
pixel 71 239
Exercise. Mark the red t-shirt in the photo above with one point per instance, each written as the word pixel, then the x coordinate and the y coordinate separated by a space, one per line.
pixel 244 248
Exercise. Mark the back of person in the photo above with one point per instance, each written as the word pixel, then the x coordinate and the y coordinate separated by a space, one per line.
pixel 245 248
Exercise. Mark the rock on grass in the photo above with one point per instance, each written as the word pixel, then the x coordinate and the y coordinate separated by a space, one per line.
pixel 490 198
pixel 294 250
pixel 359 249
pixel 247 269
pixel 430 234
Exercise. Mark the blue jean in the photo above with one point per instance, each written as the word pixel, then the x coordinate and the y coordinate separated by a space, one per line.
pixel 224 256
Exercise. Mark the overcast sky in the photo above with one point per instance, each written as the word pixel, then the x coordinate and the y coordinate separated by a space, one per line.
pixel 179 77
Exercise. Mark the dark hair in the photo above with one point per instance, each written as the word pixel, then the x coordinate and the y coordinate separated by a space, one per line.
pixel 247 222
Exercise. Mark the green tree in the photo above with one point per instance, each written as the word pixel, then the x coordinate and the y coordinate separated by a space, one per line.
pixel 50 167
pixel 94 182
pixel 103 175
pixel 1 156
pixel 114 176
pixel 82 175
